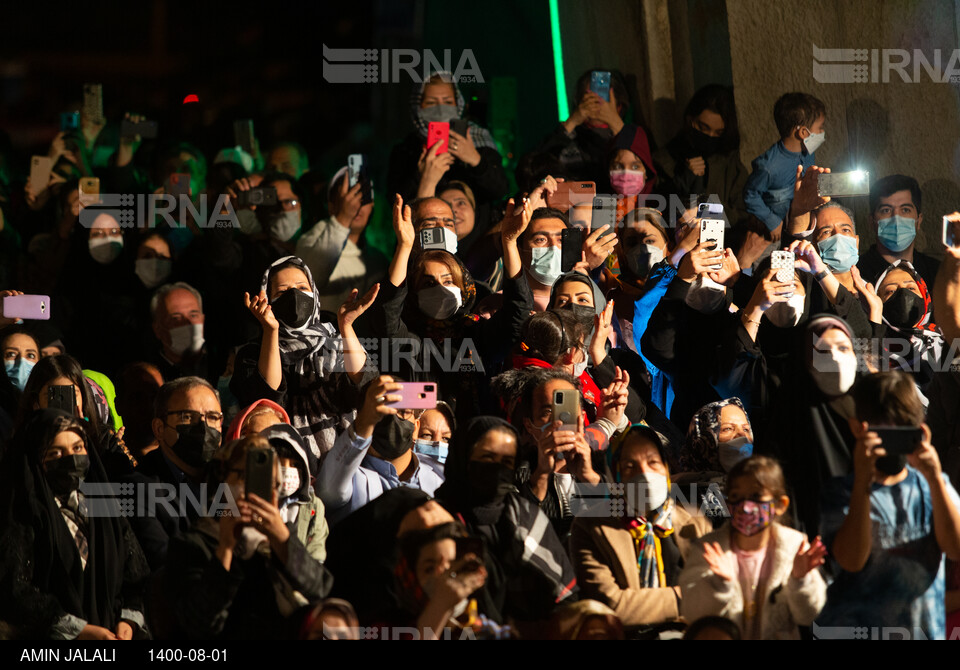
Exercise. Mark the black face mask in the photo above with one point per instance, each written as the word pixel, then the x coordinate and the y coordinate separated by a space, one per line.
pixel 65 474
pixel 584 314
pixel 891 465
pixel 703 144
pixel 392 437
pixel 293 308
pixel 904 309
pixel 196 443
pixel 489 482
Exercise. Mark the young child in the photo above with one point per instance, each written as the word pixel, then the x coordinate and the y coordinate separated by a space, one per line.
pixel 769 190
pixel 753 570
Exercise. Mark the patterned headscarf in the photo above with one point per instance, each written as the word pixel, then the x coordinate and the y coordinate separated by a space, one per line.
pixel 926 340
pixel 481 136
pixel 700 450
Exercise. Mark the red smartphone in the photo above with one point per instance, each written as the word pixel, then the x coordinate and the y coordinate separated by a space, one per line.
pixel 572 193
pixel 178 184
pixel 415 395
pixel 438 131
pixel 27 307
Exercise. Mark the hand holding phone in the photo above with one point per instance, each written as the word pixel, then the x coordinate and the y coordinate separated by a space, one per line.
pixel 415 395
pixel 438 131
pixel 951 230
pixel 259 478
pixel 712 230
pixel 600 84
pixel 571 248
pixel 26 307
pixel 783 262
pixel 40 169
pixel 843 184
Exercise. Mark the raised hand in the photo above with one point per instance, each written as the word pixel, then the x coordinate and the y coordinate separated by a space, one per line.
pixel 597 248
pixel 868 295
pixel 464 149
pixel 613 399
pixel 809 557
pixel 730 272
pixel 260 307
pixel 403 223
pixel 351 310
pixel 602 327
pixel 721 563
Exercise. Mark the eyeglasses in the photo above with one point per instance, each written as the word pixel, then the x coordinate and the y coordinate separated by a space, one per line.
pixel 190 416
pixel 410 415
pixel 436 221
pixel 290 203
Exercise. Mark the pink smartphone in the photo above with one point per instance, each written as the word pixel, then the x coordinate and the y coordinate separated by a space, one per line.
pixel 27 307
pixel 416 395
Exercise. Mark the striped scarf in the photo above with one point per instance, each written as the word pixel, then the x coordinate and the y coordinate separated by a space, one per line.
pixel 647 536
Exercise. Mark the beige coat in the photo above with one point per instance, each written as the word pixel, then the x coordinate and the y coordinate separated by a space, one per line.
pixel 606 563
pixel 784 602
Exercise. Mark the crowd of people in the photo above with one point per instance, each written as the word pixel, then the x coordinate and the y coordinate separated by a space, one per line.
pixel 752 452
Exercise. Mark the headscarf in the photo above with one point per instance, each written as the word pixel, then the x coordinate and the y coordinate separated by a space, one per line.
pixel 926 341
pixel 237 425
pixel 700 448
pixel 115 560
pixel 481 136
pixel 310 356
pixel 308 616
pixel 570 619
pixel 285 440
pixel 634 138
pixel 104 395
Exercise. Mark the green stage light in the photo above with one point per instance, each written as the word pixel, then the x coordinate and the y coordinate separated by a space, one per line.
pixel 562 110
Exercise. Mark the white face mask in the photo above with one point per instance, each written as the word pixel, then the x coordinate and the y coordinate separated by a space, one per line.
pixel 834 372
pixel 581 367
pixel 284 226
pixel 814 141
pixel 545 264
pixel 188 338
pixel 706 296
pixel 439 302
pixel 646 493
pixel 153 271
pixel 786 314
pixel 105 250
pixel 290 481
pixel 248 222
pixel 641 259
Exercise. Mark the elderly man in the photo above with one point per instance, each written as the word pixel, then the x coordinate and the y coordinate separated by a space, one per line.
pixel 176 314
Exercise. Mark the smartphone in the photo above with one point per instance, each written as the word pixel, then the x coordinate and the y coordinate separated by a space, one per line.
pixel 469 545
pixel 147 130
pixel 438 131
pixel 357 171
pixel 571 248
pixel 571 193
pixel 243 134
pixel 27 307
pixel 40 167
pixel 566 408
pixel 783 263
pixel 951 232
pixel 63 398
pixel 259 477
pixel 178 184
pixel 93 102
pixel 262 195
pixel 69 121
pixel 604 213
pixel 460 126
pixel 844 184
pixel 432 238
pixel 600 84
pixel 898 440
pixel 710 210
pixel 415 395
pixel 89 190
pixel 712 229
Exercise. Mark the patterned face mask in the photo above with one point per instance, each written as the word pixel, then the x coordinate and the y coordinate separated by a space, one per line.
pixel 751 517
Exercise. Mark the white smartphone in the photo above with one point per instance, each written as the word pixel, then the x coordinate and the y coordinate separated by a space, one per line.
pixel 951 232
pixel 783 263
pixel 712 229
pixel 843 184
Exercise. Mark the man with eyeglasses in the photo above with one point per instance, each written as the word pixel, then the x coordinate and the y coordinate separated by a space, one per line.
pixel 429 213
pixel 187 424
pixel 374 455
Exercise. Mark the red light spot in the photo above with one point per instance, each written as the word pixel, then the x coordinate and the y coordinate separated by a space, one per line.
pixel 191 98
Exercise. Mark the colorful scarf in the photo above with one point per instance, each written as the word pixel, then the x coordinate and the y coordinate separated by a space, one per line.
pixel 647 536
pixel 481 136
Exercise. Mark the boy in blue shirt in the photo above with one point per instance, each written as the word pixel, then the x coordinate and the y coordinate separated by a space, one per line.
pixel 888 525
pixel 769 190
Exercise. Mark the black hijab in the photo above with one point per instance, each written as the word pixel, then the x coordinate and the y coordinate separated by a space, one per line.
pixel 28 509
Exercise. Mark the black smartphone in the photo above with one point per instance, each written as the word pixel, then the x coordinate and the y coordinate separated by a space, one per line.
pixel 571 248
pixel 898 440
pixel 459 126
pixel 147 130
pixel 243 134
pixel 472 547
pixel 265 195
pixel 62 397
pixel 259 477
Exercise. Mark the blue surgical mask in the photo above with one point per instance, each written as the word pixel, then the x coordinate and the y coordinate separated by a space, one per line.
pixel 896 232
pixel 545 264
pixel 434 449
pixel 814 141
pixel 732 452
pixel 18 370
pixel 839 252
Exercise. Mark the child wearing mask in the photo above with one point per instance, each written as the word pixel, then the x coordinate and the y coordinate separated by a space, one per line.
pixel 800 118
pixel 754 570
